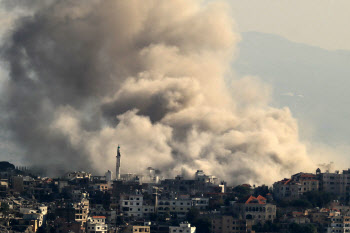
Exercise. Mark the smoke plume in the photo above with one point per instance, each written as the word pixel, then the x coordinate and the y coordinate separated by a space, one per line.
pixel 151 76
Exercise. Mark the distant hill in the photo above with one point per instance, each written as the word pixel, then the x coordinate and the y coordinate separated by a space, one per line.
pixel 312 81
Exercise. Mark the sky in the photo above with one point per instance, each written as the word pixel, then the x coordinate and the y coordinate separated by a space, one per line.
pixel 305 43
pixel 302 49
pixel 321 23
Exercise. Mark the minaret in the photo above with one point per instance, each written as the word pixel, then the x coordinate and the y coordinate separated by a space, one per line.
pixel 118 164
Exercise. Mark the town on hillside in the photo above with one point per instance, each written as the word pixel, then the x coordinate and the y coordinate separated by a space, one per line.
pixel 82 202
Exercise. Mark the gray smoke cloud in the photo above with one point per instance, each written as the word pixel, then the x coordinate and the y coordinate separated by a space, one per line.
pixel 86 76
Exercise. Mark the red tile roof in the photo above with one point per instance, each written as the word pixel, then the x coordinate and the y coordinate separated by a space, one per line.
pixel 254 200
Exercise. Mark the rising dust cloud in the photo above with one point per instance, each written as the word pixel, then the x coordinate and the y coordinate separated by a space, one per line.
pixel 151 76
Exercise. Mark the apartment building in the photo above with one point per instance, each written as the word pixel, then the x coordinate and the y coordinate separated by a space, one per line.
pixel 97 224
pixel 178 207
pixel 339 223
pixel 229 224
pixel 184 227
pixel 134 206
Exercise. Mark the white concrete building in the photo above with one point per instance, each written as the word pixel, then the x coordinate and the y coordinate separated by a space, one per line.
pixel 77 175
pixel 39 214
pixel 97 224
pixel 134 206
pixel 339 224
pixel 184 227
pixel 109 176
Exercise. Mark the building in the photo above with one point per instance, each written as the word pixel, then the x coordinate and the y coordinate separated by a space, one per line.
pixel 134 206
pixel 336 183
pixel 229 224
pixel 201 176
pixel 296 186
pixel 339 223
pixel 39 214
pixel 184 227
pixel 256 209
pixel 174 207
pixel 98 210
pixel 109 176
pixel 81 210
pixel 77 175
pixel 132 229
pixel 97 224
pixel 201 203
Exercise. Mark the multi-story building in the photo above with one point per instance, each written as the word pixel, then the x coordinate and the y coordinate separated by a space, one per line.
pixel 184 227
pixel 174 207
pixel 98 210
pixel 256 208
pixel 336 183
pixel 134 206
pixel 201 203
pixel 39 214
pixel 339 223
pixel 202 177
pixel 133 229
pixel 97 224
pixel 201 184
pixel 81 210
pixel 77 175
pixel 229 224
pixel 286 189
pixel 296 186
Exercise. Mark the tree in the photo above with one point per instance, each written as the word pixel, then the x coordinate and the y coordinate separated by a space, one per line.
pixel 261 190
pixel 267 227
pixel 298 228
pixel 241 191
pixel 203 225
pixel 301 203
pixel 192 215
pixel 319 199
pixel 4 207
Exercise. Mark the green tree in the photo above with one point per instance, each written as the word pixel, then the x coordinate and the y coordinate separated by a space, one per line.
pixel 302 228
pixel 203 225
pixel 192 215
pixel 301 203
pixel 319 199
pixel 261 190
pixel 241 192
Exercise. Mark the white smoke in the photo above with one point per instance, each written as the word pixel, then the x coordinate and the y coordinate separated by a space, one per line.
pixel 150 76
